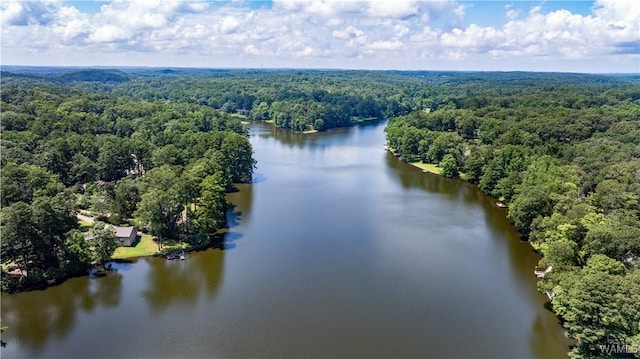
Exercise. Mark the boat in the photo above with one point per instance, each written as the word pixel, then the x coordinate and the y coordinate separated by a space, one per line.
pixel 172 256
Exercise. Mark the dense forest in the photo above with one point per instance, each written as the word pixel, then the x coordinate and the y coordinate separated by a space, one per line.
pixel 163 166
pixel 159 148
pixel 566 159
pixel 300 99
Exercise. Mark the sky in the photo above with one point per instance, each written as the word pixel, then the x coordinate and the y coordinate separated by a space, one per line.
pixel 601 36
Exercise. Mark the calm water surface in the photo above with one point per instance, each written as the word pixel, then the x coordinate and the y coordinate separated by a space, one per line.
pixel 337 250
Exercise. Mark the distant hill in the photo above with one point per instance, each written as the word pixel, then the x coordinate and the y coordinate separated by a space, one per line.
pixel 93 75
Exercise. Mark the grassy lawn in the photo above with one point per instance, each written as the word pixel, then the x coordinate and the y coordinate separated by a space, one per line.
pixel 148 247
pixel 85 226
pixel 237 115
pixel 429 167
pixel 145 247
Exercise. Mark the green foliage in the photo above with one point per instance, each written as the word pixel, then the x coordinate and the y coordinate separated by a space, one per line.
pixel 565 158
pixel 473 166
pixel 111 149
pixel 602 263
pixel 126 196
pixel 524 209
pixel 103 239
pixel 211 210
pixel 80 254
pixel 24 182
pixel 449 166
pixel 599 308
pixel 18 231
pixel 159 210
pixel 237 155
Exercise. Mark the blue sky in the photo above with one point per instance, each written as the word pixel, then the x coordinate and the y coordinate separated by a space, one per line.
pixel 574 36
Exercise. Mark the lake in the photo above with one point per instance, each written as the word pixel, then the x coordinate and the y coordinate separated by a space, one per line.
pixel 336 250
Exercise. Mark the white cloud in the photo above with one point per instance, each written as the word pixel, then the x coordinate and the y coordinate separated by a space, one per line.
pixel 511 11
pixel 385 45
pixel 12 13
pixel 426 37
pixel 397 9
pixel 474 38
pixel 251 50
pixel 401 30
pixel 333 32
pixel 230 24
pixel 24 13
pixel 108 33
pixel 71 24
pixel 328 8
pixel 349 33
pixel 305 52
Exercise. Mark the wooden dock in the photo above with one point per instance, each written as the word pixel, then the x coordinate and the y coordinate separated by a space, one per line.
pixel 542 273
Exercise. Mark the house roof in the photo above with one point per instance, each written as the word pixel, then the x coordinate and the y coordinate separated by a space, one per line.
pixel 124 232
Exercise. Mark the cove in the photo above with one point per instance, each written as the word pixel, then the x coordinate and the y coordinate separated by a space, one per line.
pixel 336 250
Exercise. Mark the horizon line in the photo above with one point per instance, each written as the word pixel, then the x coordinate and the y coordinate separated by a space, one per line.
pixel 305 69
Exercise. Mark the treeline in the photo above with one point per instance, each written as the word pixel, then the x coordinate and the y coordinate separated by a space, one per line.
pixel 163 166
pixel 297 100
pixel 566 158
pixel 309 99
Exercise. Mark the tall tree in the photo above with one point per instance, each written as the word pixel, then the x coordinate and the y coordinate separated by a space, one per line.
pixel 103 238
pixel 160 210
pixel 238 155
pixel 18 231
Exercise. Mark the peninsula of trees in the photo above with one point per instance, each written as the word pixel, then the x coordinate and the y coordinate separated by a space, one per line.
pixel 72 145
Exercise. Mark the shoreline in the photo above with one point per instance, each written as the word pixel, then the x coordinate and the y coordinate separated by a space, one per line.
pixel 437 170
pixel 354 122
pixel 425 167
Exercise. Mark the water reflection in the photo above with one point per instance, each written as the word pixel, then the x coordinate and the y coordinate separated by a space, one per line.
pixel 310 142
pixel 40 316
pixel 339 250
pixel 506 247
pixel 181 283
pixel 242 201
pixel 412 177
pixel 544 329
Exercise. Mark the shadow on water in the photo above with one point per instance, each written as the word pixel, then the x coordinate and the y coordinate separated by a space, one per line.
pixel 519 255
pixel 411 177
pixel 241 203
pixel 119 265
pixel 224 240
pixel 182 283
pixel 233 218
pixel 178 282
pixel 258 178
pixel 300 140
pixel 544 329
pixel 40 316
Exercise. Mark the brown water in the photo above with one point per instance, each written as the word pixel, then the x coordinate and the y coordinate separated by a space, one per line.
pixel 338 250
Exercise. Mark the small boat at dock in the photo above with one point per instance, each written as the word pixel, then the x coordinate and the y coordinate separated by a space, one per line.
pixel 177 255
